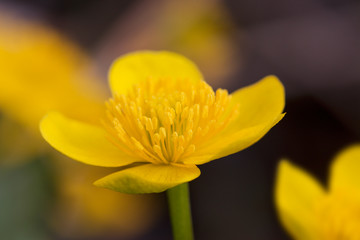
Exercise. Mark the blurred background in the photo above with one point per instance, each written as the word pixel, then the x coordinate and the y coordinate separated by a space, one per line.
pixel 55 55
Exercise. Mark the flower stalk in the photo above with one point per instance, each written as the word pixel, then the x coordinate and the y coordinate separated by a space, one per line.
pixel 180 212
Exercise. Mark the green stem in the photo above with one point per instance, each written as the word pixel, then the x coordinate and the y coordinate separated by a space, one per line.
pixel 180 212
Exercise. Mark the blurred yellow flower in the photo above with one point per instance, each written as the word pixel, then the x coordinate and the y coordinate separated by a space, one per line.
pixel 163 120
pixel 206 35
pixel 42 71
pixel 308 211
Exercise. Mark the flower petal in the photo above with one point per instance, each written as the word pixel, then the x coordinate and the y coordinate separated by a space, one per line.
pixel 259 103
pixel 149 178
pixel 230 143
pixel 345 170
pixel 135 67
pixel 83 142
pixel 260 108
pixel 296 193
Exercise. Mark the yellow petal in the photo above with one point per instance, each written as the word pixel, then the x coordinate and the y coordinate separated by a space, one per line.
pixel 296 193
pixel 345 170
pixel 259 103
pixel 230 143
pixel 138 66
pixel 149 178
pixel 260 108
pixel 83 142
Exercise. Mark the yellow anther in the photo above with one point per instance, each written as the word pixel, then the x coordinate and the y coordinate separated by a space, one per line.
pixel 202 95
pixel 218 94
pixel 175 135
pixel 190 149
pixel 153 113
pixel 197 109
pixel 189 125
pixel 162 133
pixel 188 135
pixel 191 113
pixel 205 131
pixel 178 108
pixel 193 94
pixel 210 99
pixel 183 98
pixel 169 118
pixel 149 125
pixel 172 113
pixel 181 140
pixel 205 111
pixel 139 110
pixel 181 150
pixel 157 149
pixel 157 138
pixel 133 109
pixel 154 121
pixel 120 129
pixel 185 112
pixel 138 145
pixel 139 124
pixel 161 121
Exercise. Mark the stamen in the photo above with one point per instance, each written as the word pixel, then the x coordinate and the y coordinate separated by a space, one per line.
pixel 163 121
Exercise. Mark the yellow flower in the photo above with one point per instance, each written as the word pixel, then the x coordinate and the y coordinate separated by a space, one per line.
pixel 308 211
pixel 162 121
pixel 41 71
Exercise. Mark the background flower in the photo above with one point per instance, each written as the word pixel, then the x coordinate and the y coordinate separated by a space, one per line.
pixel 310 211
pixel 41 71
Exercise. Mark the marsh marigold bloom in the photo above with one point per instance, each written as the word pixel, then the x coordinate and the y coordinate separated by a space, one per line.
pixel 162 121
pixel 308 211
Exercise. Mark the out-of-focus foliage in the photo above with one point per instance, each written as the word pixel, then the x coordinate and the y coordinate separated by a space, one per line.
pixel 25 200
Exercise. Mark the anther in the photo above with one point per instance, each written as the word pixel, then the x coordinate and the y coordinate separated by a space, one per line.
pixel 178 108
pixel 154 121
pixel 205 112
pixel 190 149
pixel 185 112
pixel 157 138
pixel 162 133
pixel 149 125
pixel 137 144
pixel 188 134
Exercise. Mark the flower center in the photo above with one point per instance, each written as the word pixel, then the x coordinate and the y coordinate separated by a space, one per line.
pixel 339 217
pixel 163 121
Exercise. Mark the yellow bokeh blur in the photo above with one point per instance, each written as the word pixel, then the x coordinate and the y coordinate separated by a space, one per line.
pixel 42 71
